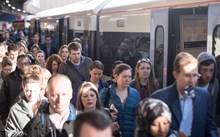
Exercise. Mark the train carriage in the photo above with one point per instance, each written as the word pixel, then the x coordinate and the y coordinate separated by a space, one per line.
pixel 155 29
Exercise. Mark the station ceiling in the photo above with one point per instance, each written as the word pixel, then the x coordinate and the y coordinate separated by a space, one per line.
pixel 6 5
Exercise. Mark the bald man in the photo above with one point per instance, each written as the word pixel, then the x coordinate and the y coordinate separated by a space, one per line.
pixel 55 118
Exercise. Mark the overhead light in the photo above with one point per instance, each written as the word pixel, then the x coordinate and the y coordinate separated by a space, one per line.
pixel 18 10
pixel 9 5
pixel 23 11
pixel 13 8
pixel 7 1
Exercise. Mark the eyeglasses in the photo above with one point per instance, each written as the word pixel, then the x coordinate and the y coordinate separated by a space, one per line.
pixel 192 75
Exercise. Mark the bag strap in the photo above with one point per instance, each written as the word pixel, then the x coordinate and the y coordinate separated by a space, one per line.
pixel 75 69
pixel 107 95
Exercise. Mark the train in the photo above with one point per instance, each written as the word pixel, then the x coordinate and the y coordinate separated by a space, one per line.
pixel 128 30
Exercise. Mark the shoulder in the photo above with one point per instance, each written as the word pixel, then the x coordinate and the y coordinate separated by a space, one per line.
pixel 165 93
pixel 73 112
pixel 15 108
pixel 201 92
pixel 133 91
pixel 86 59
pixel 134 94
pixel 63 64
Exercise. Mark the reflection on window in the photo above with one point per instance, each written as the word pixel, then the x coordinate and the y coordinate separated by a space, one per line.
pixel 216 41
pixel 159 54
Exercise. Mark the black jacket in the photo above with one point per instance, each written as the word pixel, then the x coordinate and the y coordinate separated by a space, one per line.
pixel 10 90
pixel 41 125
pixel 53 50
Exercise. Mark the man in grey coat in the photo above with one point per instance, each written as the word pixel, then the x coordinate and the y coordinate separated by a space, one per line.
pixel 76 67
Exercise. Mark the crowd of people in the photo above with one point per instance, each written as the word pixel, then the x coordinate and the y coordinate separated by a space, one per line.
pixel 50 92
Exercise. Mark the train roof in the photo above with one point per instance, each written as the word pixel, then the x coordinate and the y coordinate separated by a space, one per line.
pixel 86 7
pixel 114 6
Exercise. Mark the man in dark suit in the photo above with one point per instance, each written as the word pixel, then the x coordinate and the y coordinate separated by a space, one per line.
pixel 189 105
pixel 48 48
pixel 35 40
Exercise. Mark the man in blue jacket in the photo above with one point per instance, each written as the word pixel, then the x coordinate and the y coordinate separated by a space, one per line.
pixel 55 118
pixel 189 105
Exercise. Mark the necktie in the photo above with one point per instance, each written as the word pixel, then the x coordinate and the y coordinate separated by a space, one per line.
pixel 187 116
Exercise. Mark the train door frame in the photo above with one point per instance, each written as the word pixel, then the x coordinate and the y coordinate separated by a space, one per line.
pixel 213 24
pixel 159 19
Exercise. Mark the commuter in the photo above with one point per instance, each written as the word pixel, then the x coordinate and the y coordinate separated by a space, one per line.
pixel 88 98
pixel 48 48
pixel 25 109
pixel 34 49
pixel 92 124
pixel 144 80
pixel 123 53
pixel 55 118
pixel 40 58
pixel 184 100
pixel 6 69
pixel 44 75
pixel 2 51
pixel 153 119
pixel 207 69
pixel 63 52
pixel 22 49
pixel 96 72
pixel 53 63
pixel 124 98
pixel 12 86
pixel 115 64
pixel 76 67
pixel 35 40
pixel 13 54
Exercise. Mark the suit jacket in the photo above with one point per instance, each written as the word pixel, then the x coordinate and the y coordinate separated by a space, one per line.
pixel 53 50
pixel 203 120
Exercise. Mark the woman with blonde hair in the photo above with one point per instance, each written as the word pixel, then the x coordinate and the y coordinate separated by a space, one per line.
pixel 22 48
pixel 63 52
pixel 144 80
pixel 88 98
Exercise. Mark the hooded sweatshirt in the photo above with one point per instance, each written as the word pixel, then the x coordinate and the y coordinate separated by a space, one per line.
pixel 213 87
pixel 20 114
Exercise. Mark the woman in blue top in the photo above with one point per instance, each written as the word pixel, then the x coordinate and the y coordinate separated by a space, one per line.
pixel 124 98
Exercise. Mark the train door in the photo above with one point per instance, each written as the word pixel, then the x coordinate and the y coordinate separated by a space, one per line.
pixel 213 39
pixel 159 44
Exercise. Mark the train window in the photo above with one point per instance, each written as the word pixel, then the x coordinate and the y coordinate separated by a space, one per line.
pixel 159 54
pixel 216 41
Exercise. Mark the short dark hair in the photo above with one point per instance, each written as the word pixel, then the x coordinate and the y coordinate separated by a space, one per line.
pixel 12 47
pixel 74 46
pixel 96 64
pixel 117 62
pixel 96 118
pixel 23 57
pixel 121 68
